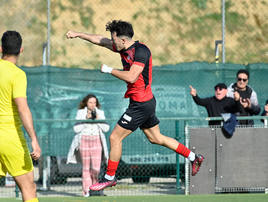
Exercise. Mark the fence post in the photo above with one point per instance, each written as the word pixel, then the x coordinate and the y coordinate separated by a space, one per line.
pixel 48 32
pixel 217 42
pixel 187 162
pixel 223 30
pixel 44 54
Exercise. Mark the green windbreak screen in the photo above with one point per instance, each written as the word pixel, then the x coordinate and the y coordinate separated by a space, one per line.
pixel 55 93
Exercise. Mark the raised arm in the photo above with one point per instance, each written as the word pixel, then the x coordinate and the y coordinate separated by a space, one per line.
pixel 199 101
pixel 93 38
pixel 27 121
pixel 192 91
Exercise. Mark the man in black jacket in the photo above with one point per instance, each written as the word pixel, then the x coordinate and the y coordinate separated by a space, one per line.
pixel 217 104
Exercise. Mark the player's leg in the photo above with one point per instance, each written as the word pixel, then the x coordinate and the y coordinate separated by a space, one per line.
pixel 17 162
pixel 118 134
pixel 27 186
pixel 116 138
pixel 155 137
pixel 135 115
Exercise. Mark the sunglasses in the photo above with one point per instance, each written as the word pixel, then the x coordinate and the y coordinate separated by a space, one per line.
pixel 240 79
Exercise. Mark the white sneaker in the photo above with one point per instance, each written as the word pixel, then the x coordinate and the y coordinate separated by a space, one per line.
pixel 86 194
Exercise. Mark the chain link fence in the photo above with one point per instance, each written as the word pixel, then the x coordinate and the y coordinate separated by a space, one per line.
pixel 176 31
pixel 153 172
pixel 54 94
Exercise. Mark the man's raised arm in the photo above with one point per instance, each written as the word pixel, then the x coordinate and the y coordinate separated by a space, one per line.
pixel 93 38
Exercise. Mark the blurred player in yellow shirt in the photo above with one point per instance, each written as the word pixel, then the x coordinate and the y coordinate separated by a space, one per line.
pixel 15 157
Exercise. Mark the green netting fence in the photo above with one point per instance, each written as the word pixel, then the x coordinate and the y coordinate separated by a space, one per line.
pixel 54 94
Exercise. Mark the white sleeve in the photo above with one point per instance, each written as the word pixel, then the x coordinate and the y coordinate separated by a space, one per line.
pixel 80 115
pixel 103 126
pixel 230 91
pixel 254 99
pixel 100 114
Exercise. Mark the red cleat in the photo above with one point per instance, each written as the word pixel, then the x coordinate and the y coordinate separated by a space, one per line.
pixel 196 164
pixel 103 184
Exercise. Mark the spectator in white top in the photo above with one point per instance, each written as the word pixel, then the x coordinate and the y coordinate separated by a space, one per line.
pixel 90 141
pixel 248 97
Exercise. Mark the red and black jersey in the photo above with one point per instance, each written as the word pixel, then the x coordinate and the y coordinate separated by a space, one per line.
pixel 138 54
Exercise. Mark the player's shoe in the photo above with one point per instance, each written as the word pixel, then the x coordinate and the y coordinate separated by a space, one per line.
pixel 103 184
pixel 197 163
pixel 86 194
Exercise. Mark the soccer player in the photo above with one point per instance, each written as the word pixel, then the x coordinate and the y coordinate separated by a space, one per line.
pixel 15 157
pixel 137 73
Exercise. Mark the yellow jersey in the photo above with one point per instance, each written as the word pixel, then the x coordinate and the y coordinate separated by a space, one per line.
pixel 13 84
pixel 14 154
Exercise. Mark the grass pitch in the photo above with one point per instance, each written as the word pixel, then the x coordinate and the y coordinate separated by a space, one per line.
pixel 166 198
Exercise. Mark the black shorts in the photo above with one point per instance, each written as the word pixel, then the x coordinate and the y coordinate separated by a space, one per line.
pixel 139 114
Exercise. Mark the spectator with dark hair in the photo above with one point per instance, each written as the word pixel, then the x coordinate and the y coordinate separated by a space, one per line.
pixel 90 142
pixel 217 104
pixel 248 97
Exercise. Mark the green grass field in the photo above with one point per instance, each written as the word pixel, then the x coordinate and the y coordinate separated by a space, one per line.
pixel 167 198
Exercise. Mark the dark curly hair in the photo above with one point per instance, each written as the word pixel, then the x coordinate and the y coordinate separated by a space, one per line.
pixel 121 28
pixel 84 101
